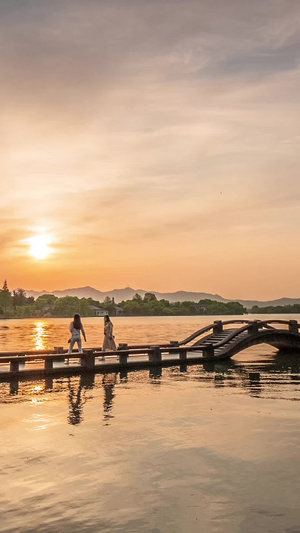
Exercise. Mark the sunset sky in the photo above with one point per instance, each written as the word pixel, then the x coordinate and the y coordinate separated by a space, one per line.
pixel 151 143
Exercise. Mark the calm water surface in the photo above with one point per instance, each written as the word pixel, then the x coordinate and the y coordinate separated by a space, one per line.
pixel 212 449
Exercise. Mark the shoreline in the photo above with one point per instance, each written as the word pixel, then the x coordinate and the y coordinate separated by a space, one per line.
pixel 126 316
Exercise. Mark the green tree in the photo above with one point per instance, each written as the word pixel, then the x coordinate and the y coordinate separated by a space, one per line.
pixel 44 304
pixel 149 297
pixel 109 305
pixel 6 301
pixel 131 307
pixel 19 298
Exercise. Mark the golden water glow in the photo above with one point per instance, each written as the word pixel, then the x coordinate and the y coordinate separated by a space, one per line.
pixel 40 336
pixel 39 246
pixel 37 389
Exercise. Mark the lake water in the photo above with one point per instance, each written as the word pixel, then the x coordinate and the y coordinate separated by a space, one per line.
pixel 212 449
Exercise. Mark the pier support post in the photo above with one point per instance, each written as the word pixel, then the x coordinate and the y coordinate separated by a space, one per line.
pixel 209 366
pixel 155 372
pixel 48 363
pixel 208 351
pixel 182 355
pixel 14 387
pixel 58 349
pixel 155 354
pixel 218 326
pixel 123 358
pixel 183 367
pixel 253 328
pixel 122 346
pixel 87 380
pixel 14 366
pixel 88 360
pixel 123 374
pixel 49 382
pixel 293 326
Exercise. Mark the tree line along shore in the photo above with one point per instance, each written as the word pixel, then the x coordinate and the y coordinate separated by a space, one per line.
pixel 16 304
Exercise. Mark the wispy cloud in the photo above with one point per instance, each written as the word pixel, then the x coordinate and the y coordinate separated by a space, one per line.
pixel 136 126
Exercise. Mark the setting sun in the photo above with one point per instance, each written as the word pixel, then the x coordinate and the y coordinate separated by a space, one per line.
pixel 39 246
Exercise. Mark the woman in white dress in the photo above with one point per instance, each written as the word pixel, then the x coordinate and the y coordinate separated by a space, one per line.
pixel 109 339
pixel 76 328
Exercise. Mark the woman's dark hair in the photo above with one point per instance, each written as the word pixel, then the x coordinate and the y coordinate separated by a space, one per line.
pixel 106 318
pixel 77 321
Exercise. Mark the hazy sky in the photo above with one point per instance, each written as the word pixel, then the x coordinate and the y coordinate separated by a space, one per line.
pixel 155 142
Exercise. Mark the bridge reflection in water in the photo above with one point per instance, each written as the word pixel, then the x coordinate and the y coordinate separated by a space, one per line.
pixel 266 377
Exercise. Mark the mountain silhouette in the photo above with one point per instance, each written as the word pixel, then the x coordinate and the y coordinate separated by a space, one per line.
pixel 179 296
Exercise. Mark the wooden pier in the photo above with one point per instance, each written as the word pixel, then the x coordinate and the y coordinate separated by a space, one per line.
pixel 217 341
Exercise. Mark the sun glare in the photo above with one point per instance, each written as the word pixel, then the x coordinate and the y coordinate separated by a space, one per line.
pixel 39 246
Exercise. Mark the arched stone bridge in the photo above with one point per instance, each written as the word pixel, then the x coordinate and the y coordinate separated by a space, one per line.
pixel 223 339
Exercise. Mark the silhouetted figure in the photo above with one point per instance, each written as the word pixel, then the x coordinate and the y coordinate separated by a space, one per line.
pixel 108 384
pixel 75 405
pixel 76 328
pixel 109 339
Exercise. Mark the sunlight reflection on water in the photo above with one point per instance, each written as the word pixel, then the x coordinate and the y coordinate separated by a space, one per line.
pixel 39 335
pixel 210 448
pixel 200 449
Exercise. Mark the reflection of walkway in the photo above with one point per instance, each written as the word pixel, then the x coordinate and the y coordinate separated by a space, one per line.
pixel 265 376
pixel 108 383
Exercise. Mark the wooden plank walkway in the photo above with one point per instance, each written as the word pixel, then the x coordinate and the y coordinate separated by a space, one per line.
pixel 213 342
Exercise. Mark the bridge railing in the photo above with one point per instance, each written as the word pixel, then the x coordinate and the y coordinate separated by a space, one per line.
pixel 279 321
pixel 194 335
pixel 19 364
pixel 254 326
pixel 217 326
pixel 190 338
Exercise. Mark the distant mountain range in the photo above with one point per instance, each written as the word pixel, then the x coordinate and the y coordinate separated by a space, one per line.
pixel 127 294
